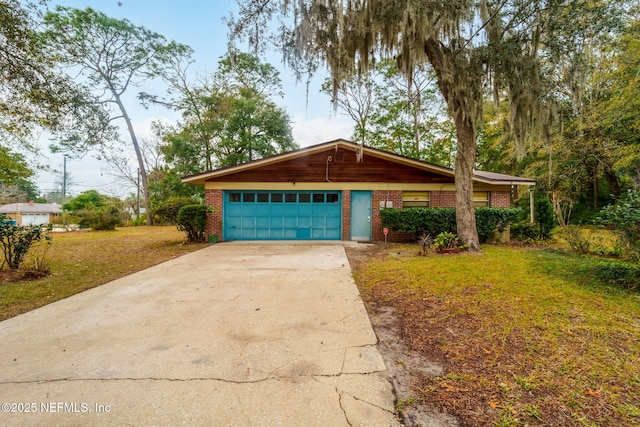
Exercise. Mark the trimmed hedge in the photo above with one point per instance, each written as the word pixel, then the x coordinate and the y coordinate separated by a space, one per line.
pixel 434 221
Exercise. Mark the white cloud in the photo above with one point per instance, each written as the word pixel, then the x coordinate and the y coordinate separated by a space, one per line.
pixel 317 130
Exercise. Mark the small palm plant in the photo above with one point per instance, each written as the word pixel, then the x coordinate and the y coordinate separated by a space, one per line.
pixel 425 241
pixel 446 241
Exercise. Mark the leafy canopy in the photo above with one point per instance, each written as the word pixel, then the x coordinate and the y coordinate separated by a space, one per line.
pixel 228 119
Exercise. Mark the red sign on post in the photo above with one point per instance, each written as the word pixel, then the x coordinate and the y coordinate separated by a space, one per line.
pixel 385 231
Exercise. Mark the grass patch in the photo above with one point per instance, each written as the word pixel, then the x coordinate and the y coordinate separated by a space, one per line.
pixel 82 260
pixel 528 336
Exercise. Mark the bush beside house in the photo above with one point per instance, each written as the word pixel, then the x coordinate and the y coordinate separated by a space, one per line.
pixel 434 221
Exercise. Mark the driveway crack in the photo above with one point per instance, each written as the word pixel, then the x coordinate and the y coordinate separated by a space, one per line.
pixel 346 417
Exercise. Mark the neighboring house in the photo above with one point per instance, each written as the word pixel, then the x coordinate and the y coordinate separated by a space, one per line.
pixel 331 191
pixel 31 213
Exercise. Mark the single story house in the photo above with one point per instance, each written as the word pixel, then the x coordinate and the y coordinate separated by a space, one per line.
pixel 331 191
pixel 31 213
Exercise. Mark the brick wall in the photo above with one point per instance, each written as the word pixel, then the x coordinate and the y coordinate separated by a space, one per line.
pixel 500 199
pixel 442 199
pixel 213 198
pixel 395 197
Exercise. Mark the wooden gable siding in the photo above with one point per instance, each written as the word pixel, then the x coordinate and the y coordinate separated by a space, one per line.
pixel 342 168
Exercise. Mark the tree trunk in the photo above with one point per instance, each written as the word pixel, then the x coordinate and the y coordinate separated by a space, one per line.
pixel 141 165
pixel 614 184
pixel 463 172
pixel 460 108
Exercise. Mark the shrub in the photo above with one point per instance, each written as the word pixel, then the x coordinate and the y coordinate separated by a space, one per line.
pixel 167 211
pixel 618 274
pixel 418 221
pixel 103 218
pixel 577 240
pixel 445 240
pixel 625 218
pixel 16 241
pixel 525 232
pixel 544 217
pixel 492 220
pixel 434 221
pixel 192 219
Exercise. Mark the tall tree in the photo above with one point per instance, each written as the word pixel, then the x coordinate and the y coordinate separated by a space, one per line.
pixel 29 87
pixel 355 97
pixel 409 116
pixel 113 55
pixel 227 119
pixel 13 167
pixel 469 45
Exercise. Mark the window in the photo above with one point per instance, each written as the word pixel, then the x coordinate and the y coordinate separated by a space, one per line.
pixel 234 197
pixel 290 198
pixel 248 197
pixel 480 199
pixel 276 197
pixel 263 197
pixel 304 198
pixel 332 198
pixel 318 198
pixel 412 199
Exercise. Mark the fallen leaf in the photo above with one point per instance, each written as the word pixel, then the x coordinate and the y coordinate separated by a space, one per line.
pixel 590 392
pixel 494 405
pixel 447 386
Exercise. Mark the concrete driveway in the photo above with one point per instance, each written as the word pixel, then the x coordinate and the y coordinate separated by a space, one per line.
pixel 252 334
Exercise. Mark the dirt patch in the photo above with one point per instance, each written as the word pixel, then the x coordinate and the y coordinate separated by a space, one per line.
pixel 409 370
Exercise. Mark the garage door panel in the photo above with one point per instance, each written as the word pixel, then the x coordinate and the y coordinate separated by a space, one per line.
pixel 276 233
pixel 263 233
pixel 290 222
pixel 332 222
pixel 233 209
pixel 304 221
pixel 304 210
pixel 248 209
pixel 281 215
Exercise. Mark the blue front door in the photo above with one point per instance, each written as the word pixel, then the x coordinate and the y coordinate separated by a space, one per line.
pixel 361 215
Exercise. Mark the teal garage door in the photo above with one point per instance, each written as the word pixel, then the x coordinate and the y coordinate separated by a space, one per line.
pixel 282 215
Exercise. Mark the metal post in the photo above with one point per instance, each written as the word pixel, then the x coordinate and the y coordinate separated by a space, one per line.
pixel 531 205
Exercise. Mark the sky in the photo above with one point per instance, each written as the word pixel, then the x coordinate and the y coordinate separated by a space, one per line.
pixel 197 23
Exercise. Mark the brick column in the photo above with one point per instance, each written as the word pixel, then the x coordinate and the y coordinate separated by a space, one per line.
pixel 346 215
pixel 213 199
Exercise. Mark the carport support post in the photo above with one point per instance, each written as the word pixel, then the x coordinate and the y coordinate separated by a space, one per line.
pixel 531 205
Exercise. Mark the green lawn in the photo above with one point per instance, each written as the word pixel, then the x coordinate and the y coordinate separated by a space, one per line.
pixel 527 336
pixel 83 260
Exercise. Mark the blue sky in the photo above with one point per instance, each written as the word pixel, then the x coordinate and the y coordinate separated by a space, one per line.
pixel 197 23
